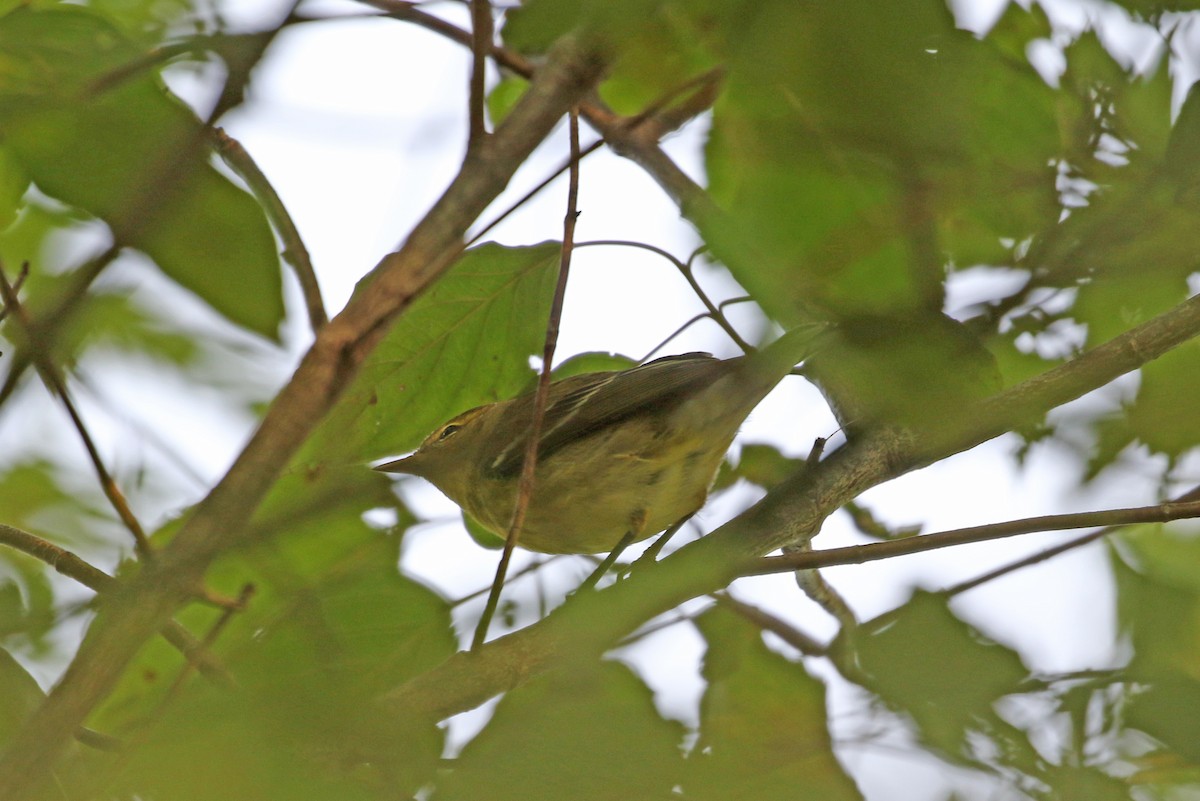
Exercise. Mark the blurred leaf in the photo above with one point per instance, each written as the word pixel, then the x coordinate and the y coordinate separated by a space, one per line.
pixel 503 96
pixel 759 463
pixel 483 536
pixel 593 362
pixel 13 183
pixel 1157 571
pixel 131 154
pixel 588 732
pixel 911 371
pixel 1160 415
pixel 27 605
pixel 331 625
pixel 463 343
pixel 35 498
pixel 763 729
pixel 655 46
pixel 948 695
pixel 1165 710
pixel 865 522
pixel 1084 783
pixel 1181 161
pixel 909 153
pixel 105 318
pixel 19 695
pixel 145 19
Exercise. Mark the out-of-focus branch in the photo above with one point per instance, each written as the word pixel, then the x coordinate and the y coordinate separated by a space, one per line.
pixel 71 566
pixel 51 374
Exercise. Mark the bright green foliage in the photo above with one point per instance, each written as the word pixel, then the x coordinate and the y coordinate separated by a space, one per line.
pixel 464 343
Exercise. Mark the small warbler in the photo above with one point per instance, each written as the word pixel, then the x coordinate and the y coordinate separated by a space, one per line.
pixel 622 455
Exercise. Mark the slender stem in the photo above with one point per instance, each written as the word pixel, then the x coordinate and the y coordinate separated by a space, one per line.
pixel 525 485
pixel 50 374
pixel 1049 553
pixel 858 554
pixel 481 46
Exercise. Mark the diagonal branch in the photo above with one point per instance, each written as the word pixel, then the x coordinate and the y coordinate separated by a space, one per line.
pixel 140 608
pixel 51 374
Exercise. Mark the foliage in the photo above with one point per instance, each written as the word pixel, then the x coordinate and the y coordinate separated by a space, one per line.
pixel 863 162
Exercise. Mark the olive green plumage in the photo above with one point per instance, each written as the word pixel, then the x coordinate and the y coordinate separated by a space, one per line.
pixel 625 452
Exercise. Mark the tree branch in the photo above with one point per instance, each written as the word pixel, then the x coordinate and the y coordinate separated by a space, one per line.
pixel 68 564
pixel 860 554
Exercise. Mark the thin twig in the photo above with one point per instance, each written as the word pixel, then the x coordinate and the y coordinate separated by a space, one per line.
pixel 768 622
pixel 858 554
pixel 16 287
pixel 210 639
pixel 685 269
pixel 529 568
pixel 1049 553
pixel 525 198
pixel 52 377
pixel 294 251
pixel 627 136
pixel 525 485
pixel 482 35
pixel 58 315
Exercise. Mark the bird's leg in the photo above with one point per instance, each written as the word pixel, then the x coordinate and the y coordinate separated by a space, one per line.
pixel 636 523
pixel 650 555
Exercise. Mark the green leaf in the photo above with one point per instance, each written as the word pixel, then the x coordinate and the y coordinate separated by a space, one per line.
pixel 947 704
pixel 763 728
pixel 330 626
pixel 1157 573
pixel 504 96
pixel 588 732
pixel 593 362
pixel 126 151
pixel 762 464
pixel 465 342
pixel 20 695
pixel 858 145
pixel 13 183
pixel 1170 385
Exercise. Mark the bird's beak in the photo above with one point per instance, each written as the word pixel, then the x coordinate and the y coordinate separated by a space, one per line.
pixel 404 465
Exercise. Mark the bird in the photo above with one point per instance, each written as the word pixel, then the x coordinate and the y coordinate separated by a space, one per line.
pixel 622 455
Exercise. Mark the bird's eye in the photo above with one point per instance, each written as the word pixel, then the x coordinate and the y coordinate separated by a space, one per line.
pixel 447 431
